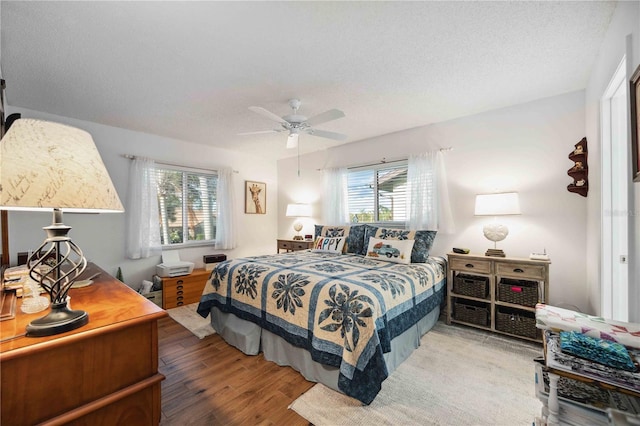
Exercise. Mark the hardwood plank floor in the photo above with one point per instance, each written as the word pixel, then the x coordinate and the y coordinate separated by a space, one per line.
pixel 209 382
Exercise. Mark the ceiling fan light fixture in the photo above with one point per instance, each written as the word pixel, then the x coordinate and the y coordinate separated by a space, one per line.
pixel 292 140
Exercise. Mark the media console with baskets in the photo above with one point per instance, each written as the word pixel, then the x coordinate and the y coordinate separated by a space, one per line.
pixel 497 294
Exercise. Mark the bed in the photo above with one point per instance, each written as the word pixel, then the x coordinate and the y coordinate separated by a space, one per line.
pixel 346 320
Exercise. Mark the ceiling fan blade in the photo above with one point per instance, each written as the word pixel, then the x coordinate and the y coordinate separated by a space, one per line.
pixel 259 132
pixel 326 134
pixel 332 114
pixel 268 114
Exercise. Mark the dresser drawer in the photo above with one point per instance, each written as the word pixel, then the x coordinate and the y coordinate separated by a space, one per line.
pixel 185 281
pixel 301 245
pixel 285 245
pixel 174 300
pixel 520 270
pixel 184 290
pixel 471 265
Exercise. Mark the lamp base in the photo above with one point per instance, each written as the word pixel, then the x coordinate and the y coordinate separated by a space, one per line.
pixel 298 238
pixel 495 253
pixel 61 319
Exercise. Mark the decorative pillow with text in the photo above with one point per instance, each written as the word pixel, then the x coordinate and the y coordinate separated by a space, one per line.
pixel 329 244
pixel 354 236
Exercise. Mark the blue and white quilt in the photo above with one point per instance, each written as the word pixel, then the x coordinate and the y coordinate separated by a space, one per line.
pixel 343 308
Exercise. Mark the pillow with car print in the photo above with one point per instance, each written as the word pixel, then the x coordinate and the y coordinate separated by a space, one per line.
pixel 398 251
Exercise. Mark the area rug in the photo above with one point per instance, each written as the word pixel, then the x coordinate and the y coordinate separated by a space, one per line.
pixel 188 317
pixel 458 376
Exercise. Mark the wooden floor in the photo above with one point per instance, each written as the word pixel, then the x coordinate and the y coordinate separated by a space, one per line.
pixel 209 382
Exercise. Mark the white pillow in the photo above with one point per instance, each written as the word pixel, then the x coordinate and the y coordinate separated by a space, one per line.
pixel 329 244
pixel 398 251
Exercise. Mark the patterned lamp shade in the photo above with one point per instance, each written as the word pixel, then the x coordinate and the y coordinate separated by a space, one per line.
pixel 45 165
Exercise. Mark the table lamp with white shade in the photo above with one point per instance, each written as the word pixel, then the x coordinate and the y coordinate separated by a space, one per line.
pixel 46 166
pixel 298 210
pixel 506 203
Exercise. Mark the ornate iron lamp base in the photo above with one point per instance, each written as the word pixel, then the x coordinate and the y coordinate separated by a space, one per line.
pixel 61 319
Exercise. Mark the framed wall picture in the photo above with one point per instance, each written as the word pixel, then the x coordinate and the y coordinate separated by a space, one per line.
pixel 635 123
pixel 255 197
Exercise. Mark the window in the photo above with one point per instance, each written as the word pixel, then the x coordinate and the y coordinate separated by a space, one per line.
pixel 378 194
pixel 187 205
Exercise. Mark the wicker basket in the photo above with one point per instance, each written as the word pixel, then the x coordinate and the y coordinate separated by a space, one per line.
pixel 472 314
pixel 471 285
pixel 518 292
pixel 518 323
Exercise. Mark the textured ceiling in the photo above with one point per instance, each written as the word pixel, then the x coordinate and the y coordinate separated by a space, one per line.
pixel 190 70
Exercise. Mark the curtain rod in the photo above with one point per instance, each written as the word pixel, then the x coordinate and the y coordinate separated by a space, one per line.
pixel 133 157
pixel 385 161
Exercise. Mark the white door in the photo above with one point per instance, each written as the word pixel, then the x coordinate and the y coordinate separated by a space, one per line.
pixel 615 208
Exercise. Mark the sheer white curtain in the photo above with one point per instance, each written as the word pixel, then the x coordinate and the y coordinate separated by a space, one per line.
pixel 226 237
pixel 335 210
pixel 427 193
pixel 143 224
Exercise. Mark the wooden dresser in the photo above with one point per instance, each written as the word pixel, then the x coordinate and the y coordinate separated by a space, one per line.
pixel 104 373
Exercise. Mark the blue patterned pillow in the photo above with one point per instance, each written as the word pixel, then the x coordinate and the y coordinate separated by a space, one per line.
pixel 354 236
pixel 369 231
pixel 355 240
pixel 421 247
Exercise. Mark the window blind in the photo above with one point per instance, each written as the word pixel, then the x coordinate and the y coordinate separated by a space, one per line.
pixel 378 194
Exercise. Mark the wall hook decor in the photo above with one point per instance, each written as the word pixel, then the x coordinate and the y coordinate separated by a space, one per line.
pixel 580 170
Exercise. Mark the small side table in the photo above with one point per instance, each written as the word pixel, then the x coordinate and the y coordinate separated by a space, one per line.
pixel 294 245
pixel 184 289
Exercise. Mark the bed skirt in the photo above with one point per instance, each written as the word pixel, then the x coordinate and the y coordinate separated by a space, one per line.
pixel 251 339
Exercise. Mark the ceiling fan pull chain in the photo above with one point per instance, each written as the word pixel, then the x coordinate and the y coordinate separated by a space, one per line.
pixel 298 160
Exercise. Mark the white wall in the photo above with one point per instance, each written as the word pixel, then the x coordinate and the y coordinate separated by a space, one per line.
pixel 625 21
pixel 522 148
pixel 102 236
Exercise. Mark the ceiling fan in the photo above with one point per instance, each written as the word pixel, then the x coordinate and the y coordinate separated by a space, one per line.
pixel 296 124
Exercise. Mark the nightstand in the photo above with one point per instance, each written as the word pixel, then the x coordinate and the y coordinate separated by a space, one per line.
pixel 497 294
pixel 294 245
